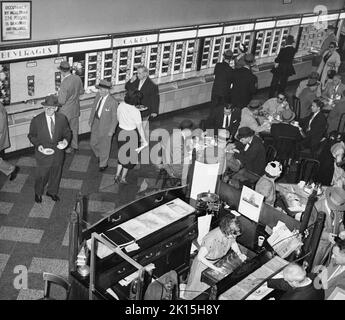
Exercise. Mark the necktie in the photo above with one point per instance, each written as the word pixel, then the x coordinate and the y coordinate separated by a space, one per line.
pixel 52 127
pixel 98 107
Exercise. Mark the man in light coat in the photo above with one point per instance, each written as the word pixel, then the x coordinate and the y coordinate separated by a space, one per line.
pixel 103 122
pixel 70 90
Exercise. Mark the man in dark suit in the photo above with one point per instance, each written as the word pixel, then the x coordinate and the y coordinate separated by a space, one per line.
pixel 224 117
pixel 50 134
pixel 222 81
pixel 314 126
pixel 283 67
pixel 103 121
pixel 142 82
pixel 245 83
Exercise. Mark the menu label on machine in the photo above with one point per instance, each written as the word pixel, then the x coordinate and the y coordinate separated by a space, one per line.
pixel 24 53
pixel 239 28
pixel 288 22
pixel 136 40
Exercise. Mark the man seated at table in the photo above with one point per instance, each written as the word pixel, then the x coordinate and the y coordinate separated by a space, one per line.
pixel 275 106
pixel 336 269
pixel 251 157
pixel 313 127
pixel 334 89
pixel 266 184
pixel 296 284
pixel 249 118
pixel 304 84
pixel 224 117
pixel 307 96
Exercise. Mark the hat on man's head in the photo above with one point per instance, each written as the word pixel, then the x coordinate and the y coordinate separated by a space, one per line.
pixel 289 39
pixel 314 75
pixel 274 168
pixel 312 82
pixel 245 132
pixel 249 58
pixel 64 66
pixel 335 198
pixel 288 115
pixel 228 54
pixel 104 84
pixel 254 104
pixel 51 100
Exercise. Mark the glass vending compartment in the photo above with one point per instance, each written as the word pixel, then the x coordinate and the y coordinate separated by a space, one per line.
pixel 92 58
pixel 108 64
pixel 122 77
pixel 154 50
pixel 92 66
pixel 107 73
pixel 189 55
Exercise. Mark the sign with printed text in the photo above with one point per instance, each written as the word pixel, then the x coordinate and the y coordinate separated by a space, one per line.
pixel 288 22
pixel 239 28
pixel 136 40
pixel 15 20
pixel 25 53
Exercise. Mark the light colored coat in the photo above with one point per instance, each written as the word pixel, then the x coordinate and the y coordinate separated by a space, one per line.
pixel 108 119
pixel 332 63
pixel 4 136
pixel 70 90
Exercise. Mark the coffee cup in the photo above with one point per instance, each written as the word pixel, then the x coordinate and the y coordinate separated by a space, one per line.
pixel 261 240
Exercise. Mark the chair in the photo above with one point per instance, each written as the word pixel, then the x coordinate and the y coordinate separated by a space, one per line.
pixel 308 169
pixel 286 149
pixel 271 153
pixel 341 123
pixel 296 107
pixel 50 278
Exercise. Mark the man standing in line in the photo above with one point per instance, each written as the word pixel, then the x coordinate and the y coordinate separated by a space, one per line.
pixel 50 134
pixel 103 121
pixel 70 90
pixel 222 82
pixel 5 167
pixel 142 82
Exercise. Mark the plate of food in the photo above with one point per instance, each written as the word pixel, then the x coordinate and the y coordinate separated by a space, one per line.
pixel 141 108
pixel 48 151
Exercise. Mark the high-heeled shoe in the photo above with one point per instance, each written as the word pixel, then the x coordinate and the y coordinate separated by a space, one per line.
pixel 123 181
pixel 117 179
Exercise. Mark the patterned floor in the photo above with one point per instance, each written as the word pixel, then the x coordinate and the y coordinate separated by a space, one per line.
pixel 34 237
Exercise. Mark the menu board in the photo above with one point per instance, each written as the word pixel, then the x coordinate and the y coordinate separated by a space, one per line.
pixel 16 20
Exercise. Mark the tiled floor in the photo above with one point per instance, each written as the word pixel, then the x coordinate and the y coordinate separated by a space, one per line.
pixel 34 237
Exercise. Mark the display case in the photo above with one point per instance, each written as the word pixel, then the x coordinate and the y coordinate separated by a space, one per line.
pixel 91 63
pixel 107 65
pixel 165 59
pixel 138 58
pixel 152 60
pixel 122 66
pixel 190 55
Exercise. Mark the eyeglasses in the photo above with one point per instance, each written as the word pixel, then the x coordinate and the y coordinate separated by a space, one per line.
pixel 281 98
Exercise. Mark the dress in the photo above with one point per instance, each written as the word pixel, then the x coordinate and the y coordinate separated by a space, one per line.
pixel 217 245
pixel 129 118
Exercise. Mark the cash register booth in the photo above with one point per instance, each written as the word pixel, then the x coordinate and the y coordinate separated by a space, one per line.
pixel 157 232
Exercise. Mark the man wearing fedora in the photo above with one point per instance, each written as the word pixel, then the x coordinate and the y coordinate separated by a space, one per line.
pixel 70 89
pixel 307 96
pixel 249 118
pixel 5 167
pixel 310 82
pixel 223 75
pixel 103 122
pixel 285 128
pixel 50 134
pixel 283 67
pixel 245 83
pixel 333 205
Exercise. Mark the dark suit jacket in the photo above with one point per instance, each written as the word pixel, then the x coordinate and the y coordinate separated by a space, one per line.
pixel 215 121
pixel 150 95
pixel 223 79
pixel 254 158
pixel 317 129
pixel 285 58
pixel 286 130
pixel 39 135
pixel 244 87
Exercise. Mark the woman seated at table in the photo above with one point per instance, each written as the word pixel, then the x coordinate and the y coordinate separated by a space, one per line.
pixel 334 88
pixel 215 245
pixel 266 184
pixel 130 124
pixel 335 114
pixel 275 106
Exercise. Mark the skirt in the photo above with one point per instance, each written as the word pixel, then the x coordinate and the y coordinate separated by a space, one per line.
pixel 127 142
